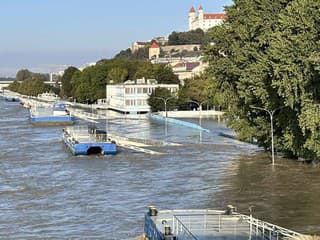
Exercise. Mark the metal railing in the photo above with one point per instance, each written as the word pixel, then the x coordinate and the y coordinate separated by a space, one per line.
pixel 84 134
pixel 196 226
pixel 211 224
pixel 151 229
pixel 181 231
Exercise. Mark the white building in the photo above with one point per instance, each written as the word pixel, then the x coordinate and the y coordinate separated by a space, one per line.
pixel 137 45
pixel 132 96
pixel 204 21
pixel 56 76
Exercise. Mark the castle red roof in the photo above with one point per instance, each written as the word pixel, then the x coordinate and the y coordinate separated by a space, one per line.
pixel 192 10
pixel 154 45
pixel 200 8
pixel 215 16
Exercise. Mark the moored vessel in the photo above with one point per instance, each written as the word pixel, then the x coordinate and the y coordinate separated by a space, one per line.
pixel 204 224
pixel 48 97
pixel 57 114
pixel 84 140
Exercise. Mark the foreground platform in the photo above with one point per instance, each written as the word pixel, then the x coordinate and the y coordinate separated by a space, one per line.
pixel 210 224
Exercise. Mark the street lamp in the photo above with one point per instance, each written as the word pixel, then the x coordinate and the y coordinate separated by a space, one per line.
pixel 200 106
pixel 271 113
pixel 165 100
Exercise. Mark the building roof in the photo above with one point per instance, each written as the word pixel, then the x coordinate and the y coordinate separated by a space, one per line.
pixel 192 10
pixel 192 65
pixel 188 65
pixel 215 16
pixel 154 45
pixel 200 8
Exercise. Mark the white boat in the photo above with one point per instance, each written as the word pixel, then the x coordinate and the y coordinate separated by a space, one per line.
pixel 49 97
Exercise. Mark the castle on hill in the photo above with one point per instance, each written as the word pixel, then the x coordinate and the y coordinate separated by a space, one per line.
pixel 204 21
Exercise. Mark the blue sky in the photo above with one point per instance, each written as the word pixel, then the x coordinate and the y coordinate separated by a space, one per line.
pixel 45 35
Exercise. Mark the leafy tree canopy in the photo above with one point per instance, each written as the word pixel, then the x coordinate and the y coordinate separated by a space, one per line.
pixel 266 54
pixel 24 74
pixel 158 98
pixel 66 86
pixel 31 86
pixel 191 37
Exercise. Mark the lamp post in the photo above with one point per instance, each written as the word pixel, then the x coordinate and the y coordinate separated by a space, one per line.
pixel 271 113
pixel 200 106
pixel 165 100
pixel 200 115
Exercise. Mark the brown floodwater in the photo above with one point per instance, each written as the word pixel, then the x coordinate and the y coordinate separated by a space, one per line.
pixel 46 193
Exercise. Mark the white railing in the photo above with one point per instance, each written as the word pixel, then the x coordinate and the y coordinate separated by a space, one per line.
pixel 84 134
pixel 196 226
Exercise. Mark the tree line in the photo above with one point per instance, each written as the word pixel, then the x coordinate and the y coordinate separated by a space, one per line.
pixel 31 86
pixel 90 84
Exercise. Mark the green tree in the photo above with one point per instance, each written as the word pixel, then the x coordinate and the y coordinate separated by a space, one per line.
pixel 117 75
pixel 237 61
pixel 266 54
pixel 14 86
pixel 192 37
pixel 23 74
pixel 157 99
pixel 201 89
pixel 32 87
pixel 66 88
pixel 164 74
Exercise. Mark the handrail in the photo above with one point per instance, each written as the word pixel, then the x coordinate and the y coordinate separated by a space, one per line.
pixel 254 226
pixel 182 229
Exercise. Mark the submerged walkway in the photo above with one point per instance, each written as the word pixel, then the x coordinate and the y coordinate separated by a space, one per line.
pixel 178 122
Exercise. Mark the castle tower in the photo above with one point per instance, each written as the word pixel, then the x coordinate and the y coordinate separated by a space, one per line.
pixel 192 18
pixel 201 12
pixel 200 17
pixel 154 51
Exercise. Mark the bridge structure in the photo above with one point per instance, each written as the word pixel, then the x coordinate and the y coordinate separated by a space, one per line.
pixel 4 84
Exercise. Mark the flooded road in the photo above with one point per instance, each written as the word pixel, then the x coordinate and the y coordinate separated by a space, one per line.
pixel 46 192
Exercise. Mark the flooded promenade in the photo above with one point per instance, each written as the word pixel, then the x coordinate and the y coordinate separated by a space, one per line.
pixel 46 192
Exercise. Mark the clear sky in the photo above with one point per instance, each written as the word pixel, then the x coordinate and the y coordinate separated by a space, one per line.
pixel 44 35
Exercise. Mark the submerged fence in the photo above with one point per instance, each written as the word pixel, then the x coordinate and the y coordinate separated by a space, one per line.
pixel 178 122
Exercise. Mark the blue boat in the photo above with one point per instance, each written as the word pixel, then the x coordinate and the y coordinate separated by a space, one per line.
pixel 87 141
pixel 9 99
pixel 54 115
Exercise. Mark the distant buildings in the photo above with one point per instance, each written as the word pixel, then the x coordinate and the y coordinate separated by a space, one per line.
pixel 55 76
pixel 137 45
pixel 204 21
pixel 132 96
pixel 189 69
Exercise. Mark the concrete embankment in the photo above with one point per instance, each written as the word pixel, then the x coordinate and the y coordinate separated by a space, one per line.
pixel 192 114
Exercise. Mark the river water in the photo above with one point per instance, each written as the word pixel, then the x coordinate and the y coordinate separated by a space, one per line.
pixel 46 193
